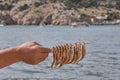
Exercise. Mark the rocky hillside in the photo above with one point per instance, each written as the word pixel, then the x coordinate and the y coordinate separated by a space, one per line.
pixel 55 12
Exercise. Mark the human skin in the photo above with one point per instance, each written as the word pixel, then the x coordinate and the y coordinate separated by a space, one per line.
pixel 29 52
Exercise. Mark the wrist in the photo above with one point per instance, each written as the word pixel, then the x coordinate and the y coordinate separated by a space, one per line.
pixel 8 56
pixel 14 53
pixel 17 53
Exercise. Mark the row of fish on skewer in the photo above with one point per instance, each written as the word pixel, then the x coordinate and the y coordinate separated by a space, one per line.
pixel 68 54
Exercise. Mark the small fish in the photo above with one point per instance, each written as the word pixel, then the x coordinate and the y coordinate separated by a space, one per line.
pixel 79 52
pixel 83 51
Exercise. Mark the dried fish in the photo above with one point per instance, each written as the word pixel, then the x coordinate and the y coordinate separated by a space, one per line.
pixel 79 52
pixel 64 56
pixel 53 49
pixel 83 50
pixel 68 53
pixel 74 54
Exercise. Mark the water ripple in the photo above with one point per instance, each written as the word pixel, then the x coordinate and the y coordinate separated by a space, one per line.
pixel 102 61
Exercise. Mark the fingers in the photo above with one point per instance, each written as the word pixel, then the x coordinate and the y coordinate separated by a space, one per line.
pixel 45 50
pixel 37 58
pixel 38 47
pixel 29 44
pixel 33 43
pixel 41 49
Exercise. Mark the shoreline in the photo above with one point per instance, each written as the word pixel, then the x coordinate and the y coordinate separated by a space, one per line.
pixel 63 25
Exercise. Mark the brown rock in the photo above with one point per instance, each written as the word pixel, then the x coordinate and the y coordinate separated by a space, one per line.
pixel 5 18
pixel 20 22
pixel 46 20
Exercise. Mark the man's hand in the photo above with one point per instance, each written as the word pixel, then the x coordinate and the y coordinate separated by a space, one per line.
pixel 29 52
pixel 32 52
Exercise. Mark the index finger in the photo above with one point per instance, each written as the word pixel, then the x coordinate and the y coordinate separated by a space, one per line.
pixel 45 50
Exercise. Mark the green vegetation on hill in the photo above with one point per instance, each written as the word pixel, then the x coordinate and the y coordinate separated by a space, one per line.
pixel 6 6
pixel 24 7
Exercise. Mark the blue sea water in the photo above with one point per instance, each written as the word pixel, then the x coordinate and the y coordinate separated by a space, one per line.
pixel 102 61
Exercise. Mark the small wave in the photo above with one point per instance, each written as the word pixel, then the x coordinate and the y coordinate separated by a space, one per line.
pixel 97 74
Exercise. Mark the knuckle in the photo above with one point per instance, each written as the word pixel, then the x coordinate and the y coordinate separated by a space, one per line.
pixel 34 42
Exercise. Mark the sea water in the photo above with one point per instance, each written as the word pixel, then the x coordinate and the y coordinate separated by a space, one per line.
pixel 102 61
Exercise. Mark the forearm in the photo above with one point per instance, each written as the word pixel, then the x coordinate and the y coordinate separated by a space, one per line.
pixel 8 56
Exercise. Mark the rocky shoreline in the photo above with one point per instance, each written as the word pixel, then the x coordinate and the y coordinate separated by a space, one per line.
pixel 49 14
